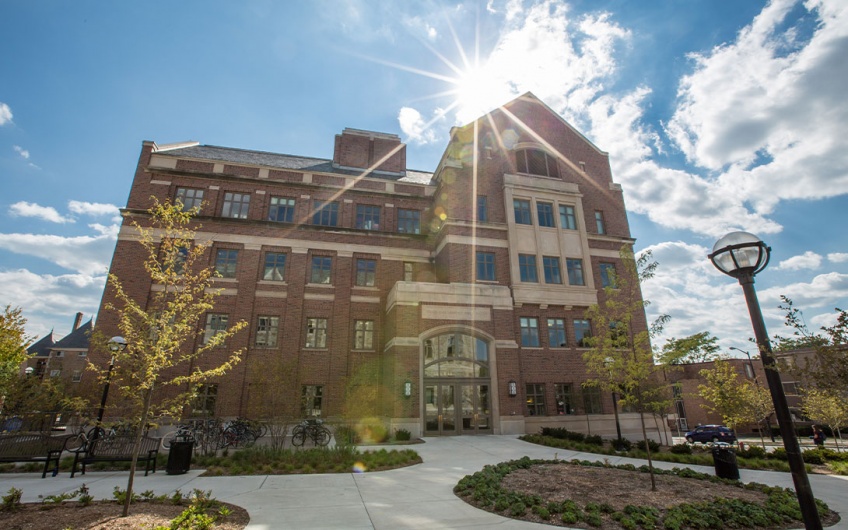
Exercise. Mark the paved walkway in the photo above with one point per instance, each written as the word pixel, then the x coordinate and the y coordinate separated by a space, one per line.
pixel 414 497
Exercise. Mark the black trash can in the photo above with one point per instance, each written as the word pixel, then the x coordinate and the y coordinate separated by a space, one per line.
pixel 724 459
pixel 179 456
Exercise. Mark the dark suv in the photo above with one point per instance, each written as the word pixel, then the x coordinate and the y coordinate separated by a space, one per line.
pixel 711 433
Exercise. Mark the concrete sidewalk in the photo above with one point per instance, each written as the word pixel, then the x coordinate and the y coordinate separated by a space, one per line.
pixel 414 497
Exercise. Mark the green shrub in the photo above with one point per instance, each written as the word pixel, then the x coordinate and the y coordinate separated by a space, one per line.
pixel 655 447
pixel 621 444
pixel 751 451
pixel 12 500
pixel 345 435
pixel 594 440
pixel 681 449
pixel 779 453
pixel 403 435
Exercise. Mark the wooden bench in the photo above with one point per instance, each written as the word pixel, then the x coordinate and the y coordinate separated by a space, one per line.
pixel 117 449
pixel 33 447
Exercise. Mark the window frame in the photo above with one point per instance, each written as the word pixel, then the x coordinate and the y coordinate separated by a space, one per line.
pixel 408 271
pixel 574 267
pixel 321 270
pixel 529 332
pixel 366 272
pixel 522 212
pixel 316 333
pixel 195 201
pixel 592 402
pixel 368 217
pixel 408 221
pixel 528 271
pixel 236 208
pixel 363 334
pixel 583 332
pixel 311 400
pixel 325 213
pixel 545 214
pixel 606 280
pixel 270 331
pixel 216 323
pixel 485 268
pixel 205 395
pixel 482 209
pixel 226 262
pixel 287 210
pixel 557 327
pixel 567 217
pixel 552 270
pixel 600 224
pixel 529 160
pixel 534 394
pixel 279 268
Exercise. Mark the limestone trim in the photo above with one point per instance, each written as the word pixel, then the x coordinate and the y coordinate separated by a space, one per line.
pixel 461 294
pixel 316 296
pixel 271 294
pixel 471 241
pixel 541 293
pixel 160 182
pixel 458 313
pixel 365 299
pixel 400 342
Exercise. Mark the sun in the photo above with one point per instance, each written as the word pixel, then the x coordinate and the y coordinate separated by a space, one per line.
pixel 479 89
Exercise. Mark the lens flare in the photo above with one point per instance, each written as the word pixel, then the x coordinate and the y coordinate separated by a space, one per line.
pixel 359 467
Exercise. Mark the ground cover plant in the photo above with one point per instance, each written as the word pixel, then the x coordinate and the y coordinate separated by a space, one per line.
pixel 585 494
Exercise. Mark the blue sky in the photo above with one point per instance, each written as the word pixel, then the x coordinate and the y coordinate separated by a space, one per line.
pixel 718 115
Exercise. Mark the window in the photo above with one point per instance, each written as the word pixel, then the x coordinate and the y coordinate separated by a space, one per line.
pixel 236 205
pixel 60 354
pixel 582 331
pixel 76 377
pixel 363 335
pixel 556 333
pixel 366 272
pixel 575 271
pixel 408 271
pixel 326 214
pixel 367 217
pixel 225 262
pixel 409 221
pixel 790 388
pixel 275 267
pixel 282 210
pixel 536 162
pixel 529 332
pixel 607 275
pixel 486 266
pixel 482 209
pixel 552 271
pixel 527 268
pixel 618 334
pixel 599 222
pixel 55 373
pixel 545 212
pixel 522 212
pixel 564 398
pixel 592 400
pixel 567 219
pixel 204 400
pixel 190 198
pixel 215 323
pixel 180 257
pixel 321 269
pixel 266 331
pixel 316 332
pixel 311 400
pixel 82 353
pixel 535 399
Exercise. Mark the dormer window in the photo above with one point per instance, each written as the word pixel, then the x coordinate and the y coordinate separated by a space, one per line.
pixel 536 162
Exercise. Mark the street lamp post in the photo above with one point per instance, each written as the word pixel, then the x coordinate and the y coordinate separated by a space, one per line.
pixel 742 255
pixel 757 381
pixel 116 344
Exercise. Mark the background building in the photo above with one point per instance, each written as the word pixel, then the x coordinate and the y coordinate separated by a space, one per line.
pixel 442 302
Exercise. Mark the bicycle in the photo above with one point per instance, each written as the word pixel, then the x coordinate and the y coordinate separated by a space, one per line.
pixel 313 429
pixel 240 432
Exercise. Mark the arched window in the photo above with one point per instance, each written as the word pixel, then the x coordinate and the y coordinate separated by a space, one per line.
pixel 456 355
pixel 536 162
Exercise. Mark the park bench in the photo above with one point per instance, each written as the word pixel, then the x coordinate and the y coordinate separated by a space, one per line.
pixel 33 447
pixel 117 449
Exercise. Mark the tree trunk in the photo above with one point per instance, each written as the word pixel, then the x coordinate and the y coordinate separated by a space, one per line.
pixel 648 449
pixel 760 430
pixel 148 398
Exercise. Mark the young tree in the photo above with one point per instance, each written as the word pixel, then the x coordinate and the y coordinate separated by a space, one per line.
pixel 823 406
pixel 13 344
pixel 160 332
pixel 271 397
pixel 737 402
pixel 698 348
pixel 621 358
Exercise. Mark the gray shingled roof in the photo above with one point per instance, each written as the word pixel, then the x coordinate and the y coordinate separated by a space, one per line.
pixel 77 339
pixel 300 163
pixel 41 348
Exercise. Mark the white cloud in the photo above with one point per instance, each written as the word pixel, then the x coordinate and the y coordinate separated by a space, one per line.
pixel 5 114
pixel 415 128
pixel 87 255
pixel 807 260
pixel 92 208
pixel 837 257
pixel 30 209
pixel 21 151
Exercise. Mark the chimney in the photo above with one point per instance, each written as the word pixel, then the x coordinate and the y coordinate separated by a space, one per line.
pixel 77 320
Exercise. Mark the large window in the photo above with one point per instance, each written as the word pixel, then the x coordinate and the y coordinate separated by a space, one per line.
pixel 322 267
pixel 215 323
pixel 575 271
pixel 567 219
pixel 582 332
pixel 536 162
pixel 225 262
pixel 564 398
pixel 527 268
pixel 76 377
pixel 316 332
pixel 282 210
pixel 311 400
pixel 599 222
pixel 363 334
pixel 482 209
pixel 275 266
pixel 456 355
pixel 326 213
pixel 556 333
pixel 545 213
pixel 607 275
pixel 204 400
pixel 409 221
pixel 536 399
pixel 529 332
pixel 522 212
pixel 366 272
pixel 236 205
pixel 486 266
pixel 592 400
pixel 190 198
pixel 552 271
pixel 367 217
pixel 266 331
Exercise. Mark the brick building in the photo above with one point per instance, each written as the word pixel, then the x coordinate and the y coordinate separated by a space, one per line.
pixel 442 302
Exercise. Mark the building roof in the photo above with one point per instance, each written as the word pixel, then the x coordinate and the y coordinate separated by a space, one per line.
pixel 281 161
pixel 41 348
pixel 77 339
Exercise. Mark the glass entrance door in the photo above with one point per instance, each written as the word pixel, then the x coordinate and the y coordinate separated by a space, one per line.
pixel 456 408
pixel 475 412
pixel 440 409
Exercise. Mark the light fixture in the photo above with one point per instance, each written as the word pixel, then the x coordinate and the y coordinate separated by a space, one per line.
pixel 407 388
pixel 29 370
pixel 117 344
pixel 739 254
pixel 512 388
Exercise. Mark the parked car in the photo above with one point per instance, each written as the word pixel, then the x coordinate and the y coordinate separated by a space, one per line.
pixel 711 433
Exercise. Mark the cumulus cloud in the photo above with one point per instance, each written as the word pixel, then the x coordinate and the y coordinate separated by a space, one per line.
pixel 5 114
pixel 807 260
pixel 837 257
pixel 21 151
pixel 92 208
pixel 417 130
pixel 45 213
pixel 87 255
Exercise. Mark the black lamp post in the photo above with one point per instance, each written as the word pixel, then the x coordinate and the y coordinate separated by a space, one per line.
pixel 116 344
pixel 743 255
